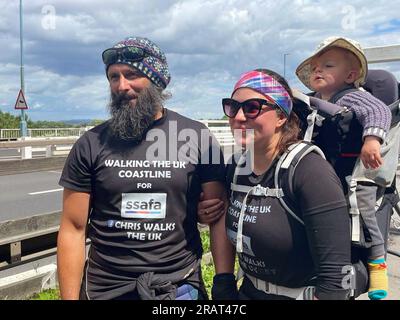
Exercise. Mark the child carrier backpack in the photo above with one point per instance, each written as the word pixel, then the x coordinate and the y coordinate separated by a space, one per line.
pixel 283 179
pixel 339 135
pixel 337 132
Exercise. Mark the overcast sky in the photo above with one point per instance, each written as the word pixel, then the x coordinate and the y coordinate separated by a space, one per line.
pixel 208 44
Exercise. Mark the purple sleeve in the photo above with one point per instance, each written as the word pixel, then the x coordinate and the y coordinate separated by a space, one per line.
pixel 374 115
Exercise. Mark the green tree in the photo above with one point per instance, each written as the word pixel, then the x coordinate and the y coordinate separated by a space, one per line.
pixel 48 124
pixel 8 121
pixel 95 122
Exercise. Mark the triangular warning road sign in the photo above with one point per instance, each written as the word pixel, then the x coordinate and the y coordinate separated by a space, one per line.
pixel 21 102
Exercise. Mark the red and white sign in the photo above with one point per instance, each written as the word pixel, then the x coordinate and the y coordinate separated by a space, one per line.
pixel 21 102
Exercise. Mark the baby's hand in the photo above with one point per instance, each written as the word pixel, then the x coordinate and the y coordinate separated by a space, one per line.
pixel 371 153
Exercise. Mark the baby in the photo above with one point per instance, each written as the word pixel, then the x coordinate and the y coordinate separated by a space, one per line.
pixel 337 65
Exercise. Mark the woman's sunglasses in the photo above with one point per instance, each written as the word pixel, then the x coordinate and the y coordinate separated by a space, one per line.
pixel 251 107
pixel 131 54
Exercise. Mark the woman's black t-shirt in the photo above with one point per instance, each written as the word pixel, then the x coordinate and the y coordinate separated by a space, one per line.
pixel 280 250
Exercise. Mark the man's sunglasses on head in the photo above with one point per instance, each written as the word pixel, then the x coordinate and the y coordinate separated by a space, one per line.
pixel 131 54
pixel 251 107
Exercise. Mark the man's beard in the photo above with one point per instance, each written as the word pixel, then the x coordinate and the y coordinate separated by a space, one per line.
pixel 130 123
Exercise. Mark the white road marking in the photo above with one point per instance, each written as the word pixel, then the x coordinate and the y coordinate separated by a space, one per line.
pixel 46 191
pixel 53 171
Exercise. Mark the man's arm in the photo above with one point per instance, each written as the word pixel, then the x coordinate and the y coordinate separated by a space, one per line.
pixel 221 248
pixel 71 243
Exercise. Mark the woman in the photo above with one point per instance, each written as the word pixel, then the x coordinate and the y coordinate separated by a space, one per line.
pixel 280 257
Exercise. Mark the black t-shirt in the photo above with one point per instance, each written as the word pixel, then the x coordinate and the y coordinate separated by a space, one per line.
pixel 143 197
pixel 277 248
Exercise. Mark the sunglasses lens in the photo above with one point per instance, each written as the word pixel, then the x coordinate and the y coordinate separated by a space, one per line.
pixel 128 53
pixel 110 56
pixel 133 53
pixel 230 107
pixel 251 108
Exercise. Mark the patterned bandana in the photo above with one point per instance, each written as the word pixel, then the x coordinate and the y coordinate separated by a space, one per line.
pixel 154 66
pixel 267 86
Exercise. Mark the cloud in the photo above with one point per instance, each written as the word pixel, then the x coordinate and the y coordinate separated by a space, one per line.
pixel 52 96
pixel 204 93
pixel 208 45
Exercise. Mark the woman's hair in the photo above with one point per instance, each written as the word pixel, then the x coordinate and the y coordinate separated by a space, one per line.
pixel 291 129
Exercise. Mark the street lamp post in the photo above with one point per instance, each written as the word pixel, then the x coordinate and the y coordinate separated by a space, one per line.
pixel 284 64
pixel 23 126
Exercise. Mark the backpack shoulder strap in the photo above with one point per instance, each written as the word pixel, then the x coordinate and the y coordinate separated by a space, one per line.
pixel 257 190
pixel 284 173
pixel 335 98
pixel 308 114
pixel 283 184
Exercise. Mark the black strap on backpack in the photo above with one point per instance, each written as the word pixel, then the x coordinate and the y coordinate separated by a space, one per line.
pixel 283 180
pixel 284 173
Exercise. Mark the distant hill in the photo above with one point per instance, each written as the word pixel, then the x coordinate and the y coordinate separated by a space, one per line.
pixel 75 122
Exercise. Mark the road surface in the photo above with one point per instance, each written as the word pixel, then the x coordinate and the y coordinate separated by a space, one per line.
pixel 28 194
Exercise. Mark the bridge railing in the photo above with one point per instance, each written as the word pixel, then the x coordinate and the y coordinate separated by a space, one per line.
pixel 221 131
pixel 14 134
pixel 51 138
pixel 57 132
pixel 9 134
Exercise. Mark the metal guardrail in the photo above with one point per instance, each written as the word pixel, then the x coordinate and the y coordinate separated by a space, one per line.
pixel 28 239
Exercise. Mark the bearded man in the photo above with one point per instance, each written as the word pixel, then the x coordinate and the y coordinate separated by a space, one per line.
pixel 132 186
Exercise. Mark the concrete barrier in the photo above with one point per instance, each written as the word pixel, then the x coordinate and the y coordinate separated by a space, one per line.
pixel 23 285
pixel 9 167
pixel 33 224
pixel 38 142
